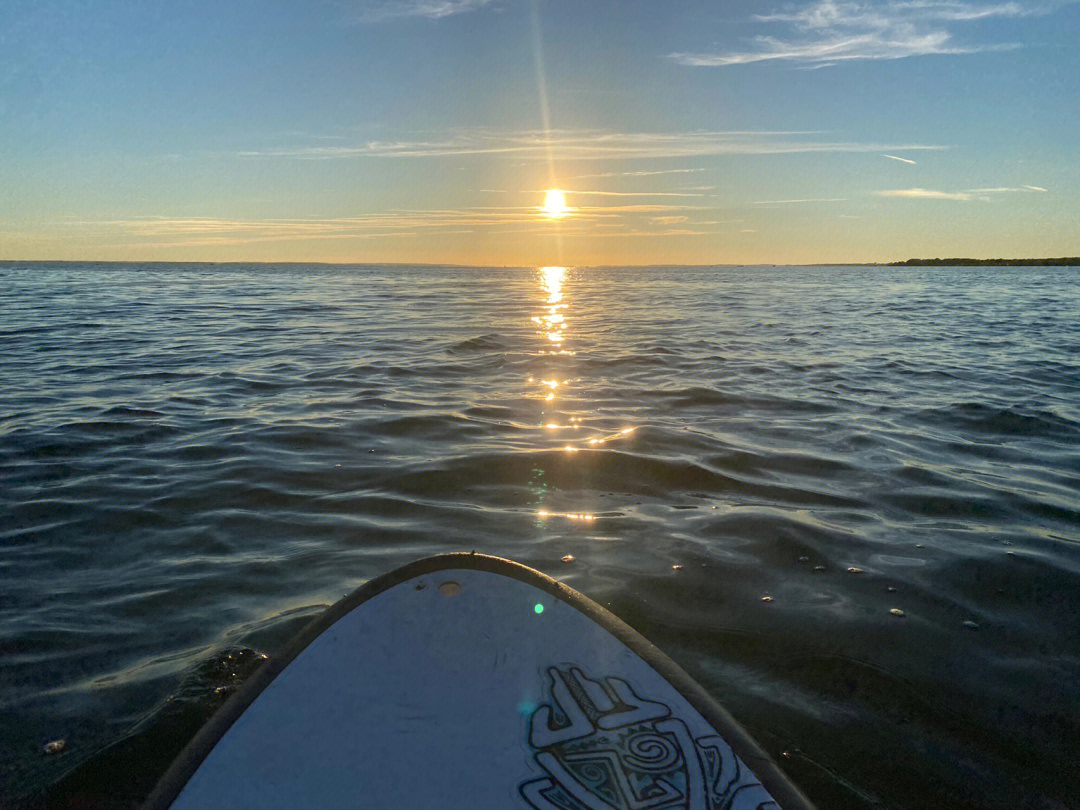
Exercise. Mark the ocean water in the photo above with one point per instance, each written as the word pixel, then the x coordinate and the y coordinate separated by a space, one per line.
pixel 197 459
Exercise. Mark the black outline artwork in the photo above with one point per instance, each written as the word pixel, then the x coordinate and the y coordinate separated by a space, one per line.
pixel 604 747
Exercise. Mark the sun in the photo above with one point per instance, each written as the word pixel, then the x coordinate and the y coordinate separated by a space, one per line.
pixel 555 203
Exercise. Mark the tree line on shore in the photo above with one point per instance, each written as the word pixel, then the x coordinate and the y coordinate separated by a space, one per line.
pixel 1065 261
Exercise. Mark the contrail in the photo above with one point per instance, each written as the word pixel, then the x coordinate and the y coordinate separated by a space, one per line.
pixel 902 160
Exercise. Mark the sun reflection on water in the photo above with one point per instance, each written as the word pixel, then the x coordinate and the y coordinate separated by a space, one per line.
pixel 553 386
pixel 552 321
pixel 585 516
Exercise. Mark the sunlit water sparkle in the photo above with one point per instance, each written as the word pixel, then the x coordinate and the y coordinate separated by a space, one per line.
pixel 755 467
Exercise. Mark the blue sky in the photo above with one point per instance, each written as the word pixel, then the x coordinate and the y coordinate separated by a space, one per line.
pixel 428 130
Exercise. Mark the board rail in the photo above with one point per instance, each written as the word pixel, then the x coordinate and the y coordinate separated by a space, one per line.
pixel 772 778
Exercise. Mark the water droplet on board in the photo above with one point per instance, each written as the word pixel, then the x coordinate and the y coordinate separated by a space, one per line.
pixel 898 613
pixel 804 559
pixel 450 588
pixel 55 747
pixel 568 558
pixel 819 567
pixel 766 599
pixel 891 589
pixel 676 568
pixel 970 625
pixel 854 570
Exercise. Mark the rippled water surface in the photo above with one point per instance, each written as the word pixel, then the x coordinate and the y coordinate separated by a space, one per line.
pixel 196 459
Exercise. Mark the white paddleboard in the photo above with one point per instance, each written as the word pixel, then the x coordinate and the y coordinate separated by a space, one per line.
pixel 466 681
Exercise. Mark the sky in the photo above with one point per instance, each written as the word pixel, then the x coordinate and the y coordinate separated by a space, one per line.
pixel 428 131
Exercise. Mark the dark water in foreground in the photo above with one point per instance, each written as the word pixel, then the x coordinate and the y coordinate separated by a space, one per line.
pixel 195 460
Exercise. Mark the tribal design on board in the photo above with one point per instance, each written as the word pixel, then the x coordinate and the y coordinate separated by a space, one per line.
pixel 603 747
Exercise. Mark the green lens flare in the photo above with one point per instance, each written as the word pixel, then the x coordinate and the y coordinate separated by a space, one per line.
pixel 539 608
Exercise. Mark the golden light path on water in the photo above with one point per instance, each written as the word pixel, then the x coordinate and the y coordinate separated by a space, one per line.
pixel 552 326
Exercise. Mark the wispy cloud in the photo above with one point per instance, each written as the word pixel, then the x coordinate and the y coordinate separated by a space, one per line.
pixel 670 232
pixel 960 196
pixel 639 174
pixel 163 231
pixel 1005 190
pixel 221 241
pixel 809 200
pixel 374 11
pixel 925 194
pixel 210 230
pixel 591 145
pixel 902 160
pixel 26 236
pixel 826 32
pixel 639 209
pixel 633 193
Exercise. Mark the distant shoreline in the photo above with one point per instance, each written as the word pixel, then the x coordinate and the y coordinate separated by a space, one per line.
pixel 1065 261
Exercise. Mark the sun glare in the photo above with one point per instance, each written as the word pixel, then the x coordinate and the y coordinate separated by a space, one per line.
pixel 555 203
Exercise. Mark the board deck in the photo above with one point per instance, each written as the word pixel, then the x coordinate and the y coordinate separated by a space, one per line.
pixel 467 681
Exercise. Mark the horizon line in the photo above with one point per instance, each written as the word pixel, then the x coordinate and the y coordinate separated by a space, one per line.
pixel 894 262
